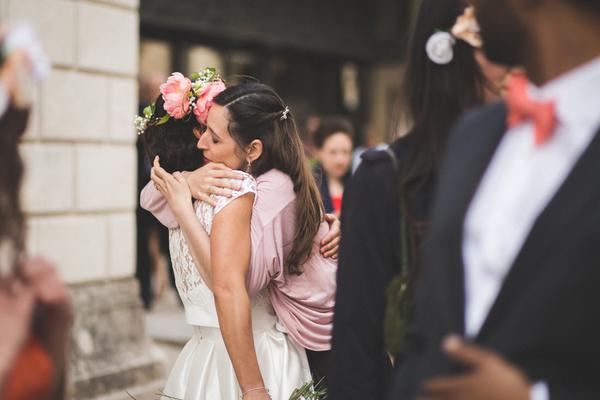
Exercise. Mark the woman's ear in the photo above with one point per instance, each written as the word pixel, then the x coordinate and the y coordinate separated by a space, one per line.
pixel 254 150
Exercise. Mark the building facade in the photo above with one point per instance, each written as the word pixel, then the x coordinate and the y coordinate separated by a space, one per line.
pixel 80 188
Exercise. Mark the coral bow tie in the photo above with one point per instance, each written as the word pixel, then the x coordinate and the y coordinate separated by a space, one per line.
pixel 522 108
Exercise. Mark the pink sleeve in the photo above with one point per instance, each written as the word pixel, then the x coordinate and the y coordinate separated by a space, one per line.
pixel 303 303
pixel 152 200
pixel 271 242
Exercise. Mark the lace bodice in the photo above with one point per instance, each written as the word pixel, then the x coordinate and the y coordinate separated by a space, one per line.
pixel 197 298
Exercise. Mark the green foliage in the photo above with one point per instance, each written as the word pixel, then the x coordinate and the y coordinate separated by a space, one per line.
pixel 309 391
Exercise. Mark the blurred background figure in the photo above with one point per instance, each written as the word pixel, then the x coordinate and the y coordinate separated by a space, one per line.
pixel 371 140
pixel 35 310
pixel 386 210
pixel 311 126
pixel 333 143
pixel 153 268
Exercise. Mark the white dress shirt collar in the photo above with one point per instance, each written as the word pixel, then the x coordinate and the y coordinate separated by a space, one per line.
pixel 575 94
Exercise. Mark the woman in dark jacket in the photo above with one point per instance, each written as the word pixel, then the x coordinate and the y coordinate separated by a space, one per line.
pixel 386 208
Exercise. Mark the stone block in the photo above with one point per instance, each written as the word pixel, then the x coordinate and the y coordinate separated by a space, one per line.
pixel 122 109
pixel 76 244
pixel 74 105
pixel 106 177
pixel 49 172
pixel 108 38
pixel 122 246
pixel 131 4
pixel 54 22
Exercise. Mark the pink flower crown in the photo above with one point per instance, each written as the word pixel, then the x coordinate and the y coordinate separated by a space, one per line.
pixel 183 96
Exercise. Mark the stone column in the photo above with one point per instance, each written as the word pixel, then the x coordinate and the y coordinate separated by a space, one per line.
pixel 80 189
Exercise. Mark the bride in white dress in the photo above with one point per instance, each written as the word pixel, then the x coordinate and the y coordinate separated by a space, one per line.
pixel 203 370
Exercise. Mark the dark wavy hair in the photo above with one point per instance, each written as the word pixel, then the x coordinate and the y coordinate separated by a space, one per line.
pixel 433 98
pixel 255 112
pixel 174 141
pixel 330 125
pixel 12 220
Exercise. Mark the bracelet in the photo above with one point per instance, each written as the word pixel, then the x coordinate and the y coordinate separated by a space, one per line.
pixel 254 390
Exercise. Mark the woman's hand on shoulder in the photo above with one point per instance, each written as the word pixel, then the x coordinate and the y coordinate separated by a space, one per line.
pixel 330 245
pixel 213 178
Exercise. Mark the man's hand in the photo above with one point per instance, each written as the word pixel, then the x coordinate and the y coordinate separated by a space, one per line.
pixel 215 179
pixel 490 378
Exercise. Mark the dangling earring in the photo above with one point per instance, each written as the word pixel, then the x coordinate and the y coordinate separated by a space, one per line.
pixel 248 166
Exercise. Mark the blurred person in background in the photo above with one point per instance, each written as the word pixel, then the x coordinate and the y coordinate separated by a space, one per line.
pixel 308 140
pixel 35 310
pixel 387 210
pixel 371 141
pixel 333 142
pixel 511 262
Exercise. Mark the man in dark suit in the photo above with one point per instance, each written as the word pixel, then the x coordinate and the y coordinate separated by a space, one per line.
pixel 509 298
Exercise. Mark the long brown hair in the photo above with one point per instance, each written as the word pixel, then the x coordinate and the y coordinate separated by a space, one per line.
pixel 434 96
pixel 255 112
pixel 12 219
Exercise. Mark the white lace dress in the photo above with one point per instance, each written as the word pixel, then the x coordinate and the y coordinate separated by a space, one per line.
pixel 203 370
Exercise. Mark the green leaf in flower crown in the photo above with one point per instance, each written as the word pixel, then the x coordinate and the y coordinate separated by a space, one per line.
pixel 194 76
pixel 163 120
pixel 148 111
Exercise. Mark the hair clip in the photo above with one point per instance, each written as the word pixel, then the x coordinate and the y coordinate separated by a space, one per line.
pixel 440 46
pixel 284 114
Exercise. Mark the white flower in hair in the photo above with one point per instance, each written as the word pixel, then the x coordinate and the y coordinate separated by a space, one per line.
pixel 440 48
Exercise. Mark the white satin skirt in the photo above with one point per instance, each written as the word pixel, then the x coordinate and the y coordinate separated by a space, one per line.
pixel 203 370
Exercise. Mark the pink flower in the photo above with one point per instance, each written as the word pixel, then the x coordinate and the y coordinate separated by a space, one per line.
pixel 175 92
pixel 205 99
pixel 466 28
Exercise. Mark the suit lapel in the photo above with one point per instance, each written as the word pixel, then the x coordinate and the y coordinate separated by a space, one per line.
pixel 460 179
pixel 578 195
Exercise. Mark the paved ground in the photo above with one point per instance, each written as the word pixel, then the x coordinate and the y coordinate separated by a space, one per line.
pixel 166 322
pixel 166 325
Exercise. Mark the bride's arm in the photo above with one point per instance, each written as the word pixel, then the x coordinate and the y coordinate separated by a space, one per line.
pixel 230 248
pixel 175 190
pixel 210 179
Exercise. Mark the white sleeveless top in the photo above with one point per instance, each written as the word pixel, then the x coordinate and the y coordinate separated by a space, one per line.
pixel 197 298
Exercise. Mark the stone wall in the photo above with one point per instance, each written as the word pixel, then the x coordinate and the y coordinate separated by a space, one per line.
pixel 80 188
